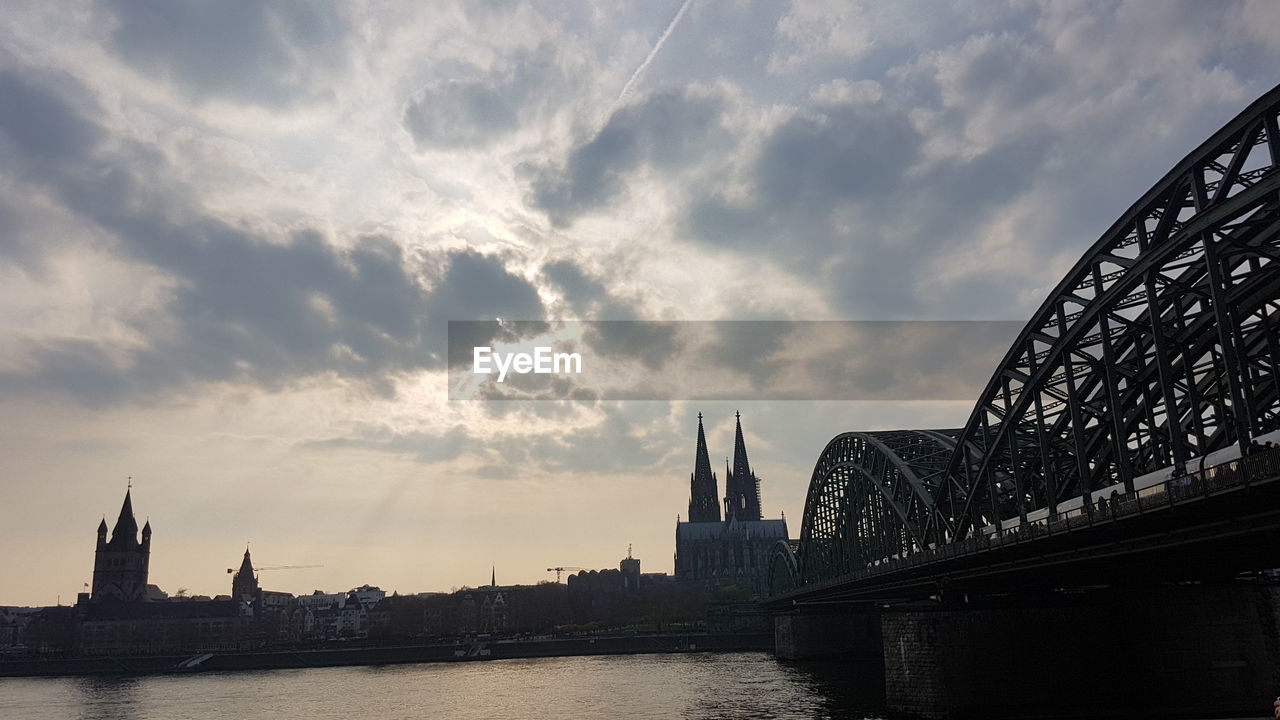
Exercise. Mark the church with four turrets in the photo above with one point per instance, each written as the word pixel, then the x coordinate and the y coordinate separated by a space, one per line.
pixel 733 549
pixel 120 564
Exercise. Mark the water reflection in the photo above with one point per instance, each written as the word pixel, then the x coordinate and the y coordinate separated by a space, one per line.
pixel 846 689
pixel 703 686
pixel 109 698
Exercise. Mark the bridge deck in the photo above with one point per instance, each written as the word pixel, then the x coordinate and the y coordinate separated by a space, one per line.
pixel 1213 523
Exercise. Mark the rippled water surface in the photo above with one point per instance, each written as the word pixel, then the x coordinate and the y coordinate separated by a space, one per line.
pixel 626 686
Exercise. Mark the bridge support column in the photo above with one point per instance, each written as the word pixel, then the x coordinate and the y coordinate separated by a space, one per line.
pixel 1182 650
pixel 808 635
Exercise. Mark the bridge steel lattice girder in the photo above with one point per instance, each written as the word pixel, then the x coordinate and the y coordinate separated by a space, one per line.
pixel 1159 345
pixel 1148 262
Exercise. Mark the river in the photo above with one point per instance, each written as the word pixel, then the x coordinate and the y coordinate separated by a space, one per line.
pixel 698 685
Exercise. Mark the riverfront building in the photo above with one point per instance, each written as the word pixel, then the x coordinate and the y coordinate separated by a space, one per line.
pixel 123 614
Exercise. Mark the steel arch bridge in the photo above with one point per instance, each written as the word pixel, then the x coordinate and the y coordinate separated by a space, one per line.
pixel 1158 349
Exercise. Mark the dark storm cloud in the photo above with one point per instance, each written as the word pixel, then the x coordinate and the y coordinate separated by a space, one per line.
pixel 854 360
pixel 476 291
pixel 652 342
pixel 847 153
pixel 247 305
pixel 666 131
pixel 825 185
pixel 831 197
pixel 746 347
pixel 809 168
pixel 615 444
pixel 263 52
pixel 72 367
pixel 587 296
pixel 473 111
pixel 938 214
pixel 39 131
pixel 580 290
pixel 479 287
pixel 275 310
pixel 928 361
pixel 39 124
pixel 270 313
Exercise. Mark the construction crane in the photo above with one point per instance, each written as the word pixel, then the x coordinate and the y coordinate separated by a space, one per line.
pixel 277 567
pixel 558 570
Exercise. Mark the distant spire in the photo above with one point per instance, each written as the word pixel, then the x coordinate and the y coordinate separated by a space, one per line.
pixel 704 505
pixel 244 584
pixel 493 576
pixel 740 465
pixel 730 492
pixel 126 525
pixel 743 496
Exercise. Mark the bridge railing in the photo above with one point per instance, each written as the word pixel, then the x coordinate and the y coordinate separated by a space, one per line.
pixel 1259 466
pixel 1202 483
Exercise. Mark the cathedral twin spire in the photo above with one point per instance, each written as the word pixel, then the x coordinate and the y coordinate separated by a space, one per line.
pixel 742 488
pixel 704 506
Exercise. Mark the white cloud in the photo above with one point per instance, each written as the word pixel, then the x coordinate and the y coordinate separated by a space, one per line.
pixel 815 30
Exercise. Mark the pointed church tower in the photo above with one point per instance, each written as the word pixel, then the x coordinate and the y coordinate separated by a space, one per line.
pixel 120 565
pixel 742 488
pixel 730 491
pixel 704 505
pixel 126 525
pixel 244 585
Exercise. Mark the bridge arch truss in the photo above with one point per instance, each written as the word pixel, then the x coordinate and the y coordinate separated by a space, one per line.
pixel 1160 346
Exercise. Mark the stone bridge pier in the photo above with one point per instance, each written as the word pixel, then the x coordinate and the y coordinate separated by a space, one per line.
pixel 828 634
pixel 1189 650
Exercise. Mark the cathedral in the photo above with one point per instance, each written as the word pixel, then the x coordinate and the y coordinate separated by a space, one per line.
pixel 733 550
pixel 120 564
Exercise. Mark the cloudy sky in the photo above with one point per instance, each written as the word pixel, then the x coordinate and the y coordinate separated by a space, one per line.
pixel 232 235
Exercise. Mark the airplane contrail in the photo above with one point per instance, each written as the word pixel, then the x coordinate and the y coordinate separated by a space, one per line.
pixel 684 7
